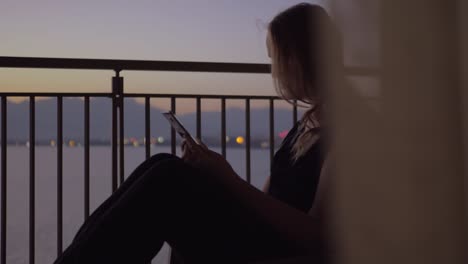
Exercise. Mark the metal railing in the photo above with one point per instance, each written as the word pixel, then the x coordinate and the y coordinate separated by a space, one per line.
pixel 117 95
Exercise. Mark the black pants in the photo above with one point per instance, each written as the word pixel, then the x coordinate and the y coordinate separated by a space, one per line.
pixel 165 199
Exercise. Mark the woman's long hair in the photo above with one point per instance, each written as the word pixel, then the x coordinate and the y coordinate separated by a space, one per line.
pixel 306 53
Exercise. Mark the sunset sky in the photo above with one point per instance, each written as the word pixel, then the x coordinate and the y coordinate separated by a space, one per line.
pixel 184 30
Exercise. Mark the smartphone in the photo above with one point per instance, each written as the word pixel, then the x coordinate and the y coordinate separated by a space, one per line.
pixel 178 127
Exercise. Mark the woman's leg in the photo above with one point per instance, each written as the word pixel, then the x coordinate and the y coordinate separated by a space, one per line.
pixel 176 203
pixel 140 170
pixel 111 201
pixel 212 227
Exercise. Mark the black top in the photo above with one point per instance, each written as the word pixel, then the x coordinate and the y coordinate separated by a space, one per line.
pixel 295 183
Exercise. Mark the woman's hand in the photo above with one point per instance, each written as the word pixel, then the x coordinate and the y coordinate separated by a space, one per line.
pixel 199 156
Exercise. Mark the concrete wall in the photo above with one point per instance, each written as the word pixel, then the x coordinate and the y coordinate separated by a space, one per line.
pixel 463 29
pixel 399 194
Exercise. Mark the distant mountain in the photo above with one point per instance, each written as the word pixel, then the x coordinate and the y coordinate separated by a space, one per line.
pixel 100 120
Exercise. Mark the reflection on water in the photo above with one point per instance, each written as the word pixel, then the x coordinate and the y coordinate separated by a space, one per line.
pixel 73 193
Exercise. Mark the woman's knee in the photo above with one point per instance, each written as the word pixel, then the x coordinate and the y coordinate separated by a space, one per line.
pixel 166 164
pixel 171 170
pixel 161 156
pixel 154 161
pixel 142 169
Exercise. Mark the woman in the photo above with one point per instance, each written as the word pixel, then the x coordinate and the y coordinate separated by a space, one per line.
pixel 201 207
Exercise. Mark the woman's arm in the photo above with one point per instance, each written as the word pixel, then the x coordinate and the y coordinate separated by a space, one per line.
pixel 266 186
pixel 300 229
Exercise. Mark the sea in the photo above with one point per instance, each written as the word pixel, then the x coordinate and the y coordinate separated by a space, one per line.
pixel 18 179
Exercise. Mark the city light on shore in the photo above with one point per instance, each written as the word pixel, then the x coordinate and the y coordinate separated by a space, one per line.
pixel 240 140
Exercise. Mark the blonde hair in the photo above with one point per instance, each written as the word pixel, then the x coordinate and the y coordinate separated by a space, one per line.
pixel 305 45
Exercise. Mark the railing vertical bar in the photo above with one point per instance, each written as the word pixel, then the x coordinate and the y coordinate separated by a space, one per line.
pixel 272 130
pixel 59 174
pixel 247 139
pixel 147 127
pixel 223 127
pixel 4 181
pixel 32 168
pixel 121 139
pixel 173 135
pixel 295 113
pixel 199 133
pixel 114 139
pixel 86 157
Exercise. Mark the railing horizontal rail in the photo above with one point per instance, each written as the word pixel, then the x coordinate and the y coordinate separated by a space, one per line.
pixel 53 94
pixel 135 95
pixel 138 65
pixel 204 96
pixel 146 65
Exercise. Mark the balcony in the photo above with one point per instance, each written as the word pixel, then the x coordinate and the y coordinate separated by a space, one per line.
pixel 118 154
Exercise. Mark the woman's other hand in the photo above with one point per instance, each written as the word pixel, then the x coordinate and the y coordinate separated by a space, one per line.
pixel 200 156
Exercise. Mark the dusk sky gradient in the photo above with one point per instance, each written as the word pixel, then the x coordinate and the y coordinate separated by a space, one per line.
pixel 184 30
